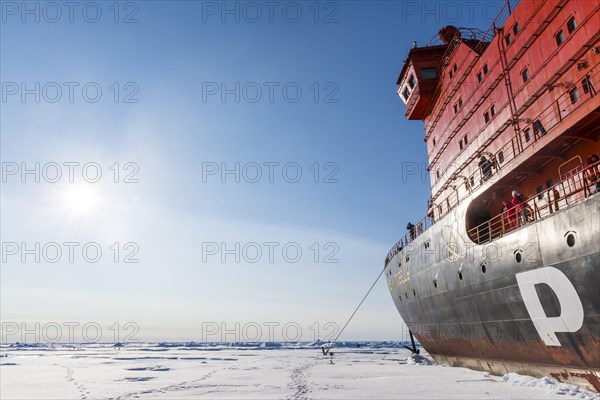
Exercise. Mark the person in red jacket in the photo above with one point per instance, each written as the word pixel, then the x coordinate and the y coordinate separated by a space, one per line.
pixel 517 209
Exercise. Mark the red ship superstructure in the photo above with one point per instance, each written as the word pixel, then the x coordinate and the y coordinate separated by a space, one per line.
pixel 512 126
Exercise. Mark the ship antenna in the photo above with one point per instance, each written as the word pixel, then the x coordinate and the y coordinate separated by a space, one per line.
pixel 326 351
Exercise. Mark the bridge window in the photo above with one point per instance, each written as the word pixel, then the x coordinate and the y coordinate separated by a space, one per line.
pixel 428 73
pixel 525 75
pixel 486 117
pixel 527 134
pixel 406 94
pixel 508 39
pixel 500 156
pixel 479 77
pixel 493 110
pixel 485 69
pixel 571 24
pixel 516 28
pixel 412 81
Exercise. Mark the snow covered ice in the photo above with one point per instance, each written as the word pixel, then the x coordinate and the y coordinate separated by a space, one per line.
pixel 371 370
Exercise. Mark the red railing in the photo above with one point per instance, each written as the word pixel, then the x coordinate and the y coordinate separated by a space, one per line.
pixel 577 184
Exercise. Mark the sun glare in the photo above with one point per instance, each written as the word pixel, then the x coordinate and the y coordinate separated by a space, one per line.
pixel 82 200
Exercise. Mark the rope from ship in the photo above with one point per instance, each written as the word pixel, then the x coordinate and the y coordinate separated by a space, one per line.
pixel 325 352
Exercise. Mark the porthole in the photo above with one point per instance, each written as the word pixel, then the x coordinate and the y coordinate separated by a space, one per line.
pixel 434 283
pixel 407 258
pixel 570 240
pixel 483 268
pixel 406 295
pixel 460 276
pixel 414 292
pixel 518 257
pixel 400 297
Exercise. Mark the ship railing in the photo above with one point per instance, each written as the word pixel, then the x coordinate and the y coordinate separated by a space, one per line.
pixel 497 23
pixel 478 34
pixel 484 38
pixel 578 184
pixel 547 119
pixel 411 235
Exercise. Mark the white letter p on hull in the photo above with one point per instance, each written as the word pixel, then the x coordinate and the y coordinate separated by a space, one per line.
pixel 571 309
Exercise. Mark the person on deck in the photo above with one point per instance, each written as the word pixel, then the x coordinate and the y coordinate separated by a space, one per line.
pixel 592 172
pixel 486 168
pixel 511 214
pixel 518 207
pixel 505 206
pixel 411 229
pixel 430 210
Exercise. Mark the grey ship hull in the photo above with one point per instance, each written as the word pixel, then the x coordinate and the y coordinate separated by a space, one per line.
pixel 535 310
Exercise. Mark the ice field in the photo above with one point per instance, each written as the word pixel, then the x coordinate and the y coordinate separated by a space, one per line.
pixel 372 370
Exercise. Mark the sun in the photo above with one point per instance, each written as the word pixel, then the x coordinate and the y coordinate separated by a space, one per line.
pixel 81 199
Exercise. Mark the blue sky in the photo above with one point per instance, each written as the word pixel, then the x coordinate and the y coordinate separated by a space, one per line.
pixel 348 124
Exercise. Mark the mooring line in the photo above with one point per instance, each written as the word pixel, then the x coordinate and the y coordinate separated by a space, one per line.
pixel 355 310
